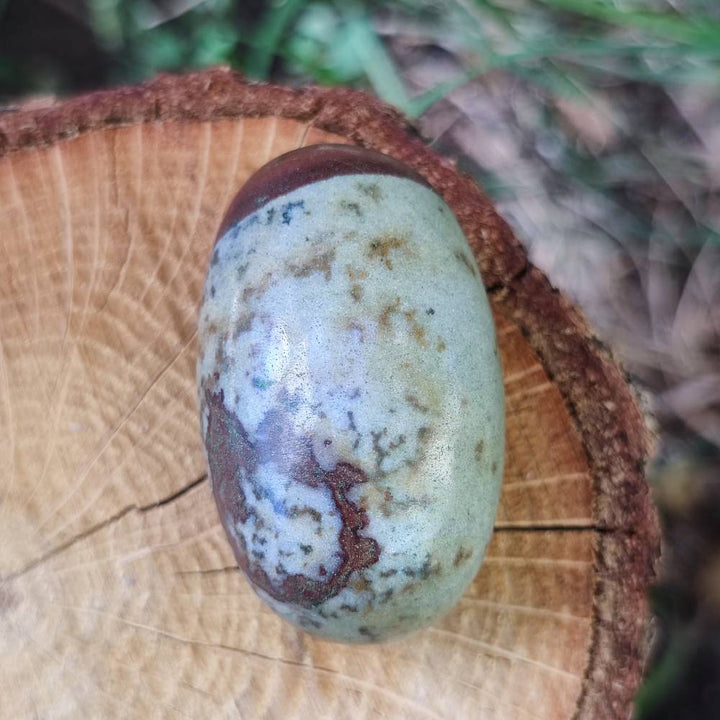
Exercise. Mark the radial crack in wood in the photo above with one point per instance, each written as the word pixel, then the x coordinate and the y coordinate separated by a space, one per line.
pixel 100 526
pixel 120 596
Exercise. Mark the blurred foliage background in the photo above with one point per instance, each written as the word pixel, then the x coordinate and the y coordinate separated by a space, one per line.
pixel 595 127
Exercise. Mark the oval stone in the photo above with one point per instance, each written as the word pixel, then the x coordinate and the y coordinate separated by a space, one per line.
pixel 351 397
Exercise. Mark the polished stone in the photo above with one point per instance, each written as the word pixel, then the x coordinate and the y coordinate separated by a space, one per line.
pixel 351 404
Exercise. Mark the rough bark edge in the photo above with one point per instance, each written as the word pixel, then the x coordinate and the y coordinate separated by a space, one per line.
pixel 617 442
pixel 599 397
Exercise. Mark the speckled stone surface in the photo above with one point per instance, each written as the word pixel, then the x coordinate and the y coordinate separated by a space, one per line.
pixel 351 404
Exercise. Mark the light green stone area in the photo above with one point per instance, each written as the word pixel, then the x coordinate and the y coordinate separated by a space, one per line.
pixel 347 321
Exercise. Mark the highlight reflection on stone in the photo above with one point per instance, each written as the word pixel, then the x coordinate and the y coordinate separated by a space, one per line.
pixel 350 394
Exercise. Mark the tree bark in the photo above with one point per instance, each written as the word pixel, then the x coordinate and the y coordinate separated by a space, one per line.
pixel 119 596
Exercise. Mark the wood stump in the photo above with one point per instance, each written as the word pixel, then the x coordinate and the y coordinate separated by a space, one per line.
pixel 119 595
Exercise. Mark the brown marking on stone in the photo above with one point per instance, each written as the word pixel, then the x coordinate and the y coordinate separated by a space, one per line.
pixel 416 330
pixel 243 324
pixel 306 166
pixel 234 462
pixel 351 207
pixel 462 555
pixel 221 360
pixel 241 270
pixel 464 402
pixel 494 467
pixel 387 312
pixel 220 353
pixel 229 453
pixel 311 512
pixel 424 433
pixel 415 404
pixel 380 454
pixel 257 291
pixel 381 248
pixel 426 570
pixel 466 262
pixel 386 506
pixel 355 274
pixel 367 632
pixel 360 584
pixel 388 573
pixel 354 326
pixel 356 292
pixel 441 346
pixel 418 334
pixel 353 427
pixel 319 263
pixel 479 447
pixel 371 190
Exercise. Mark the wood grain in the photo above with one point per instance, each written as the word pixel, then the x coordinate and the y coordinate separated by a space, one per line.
pixel 119 597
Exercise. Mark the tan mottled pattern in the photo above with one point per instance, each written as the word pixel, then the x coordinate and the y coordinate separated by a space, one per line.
pixel 119 599
pixel 400 381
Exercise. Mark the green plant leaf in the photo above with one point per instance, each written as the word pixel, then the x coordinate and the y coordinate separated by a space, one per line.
pixel 374 59
pixel 107 21
pixel 690 29
pixel 268 36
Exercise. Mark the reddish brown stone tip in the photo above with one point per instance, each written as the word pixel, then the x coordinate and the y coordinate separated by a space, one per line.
pixel 308 165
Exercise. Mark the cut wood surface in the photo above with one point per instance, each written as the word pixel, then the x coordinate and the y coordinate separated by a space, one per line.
pixel 119 595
